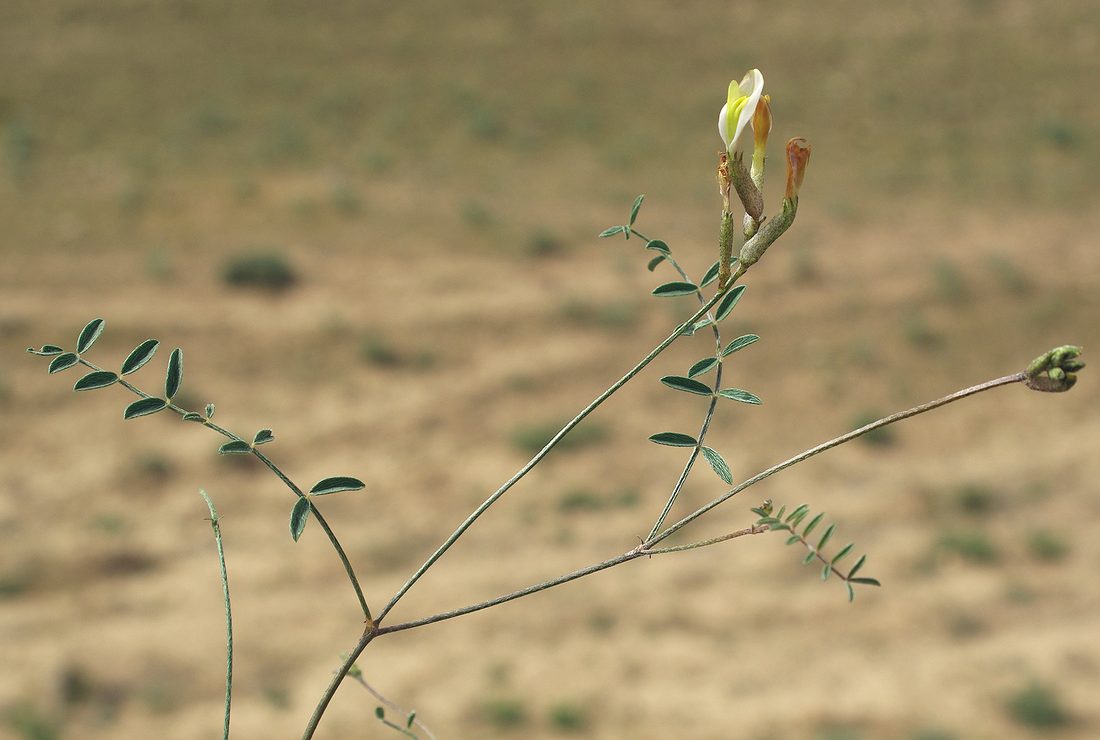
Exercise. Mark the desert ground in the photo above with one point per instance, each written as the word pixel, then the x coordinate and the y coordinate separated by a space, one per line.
pixel 372 228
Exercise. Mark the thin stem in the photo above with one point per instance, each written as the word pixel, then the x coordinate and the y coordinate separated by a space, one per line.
pixel 358 676
pixel 481 509
pixel 708 542
pixel 328 532
pixel 544 585
pixel 710 409
pixel 803 456
pixel 228 612
pixel 330 690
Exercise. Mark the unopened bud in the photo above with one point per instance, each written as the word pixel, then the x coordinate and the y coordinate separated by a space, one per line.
pixel 798 155
pixel 761 127
pixel 1055 371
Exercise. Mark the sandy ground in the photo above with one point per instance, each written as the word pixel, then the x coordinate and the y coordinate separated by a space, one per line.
pixel 426 342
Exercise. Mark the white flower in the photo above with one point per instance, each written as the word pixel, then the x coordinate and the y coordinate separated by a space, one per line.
pixel 740 107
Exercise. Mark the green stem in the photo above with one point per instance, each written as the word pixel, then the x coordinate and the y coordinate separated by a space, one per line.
pixel 228 612
pixel 835 442
pixel 481 509
pixel 330 691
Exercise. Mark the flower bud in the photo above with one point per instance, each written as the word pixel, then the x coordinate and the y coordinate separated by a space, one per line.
pixel 761 127
pixel 798 155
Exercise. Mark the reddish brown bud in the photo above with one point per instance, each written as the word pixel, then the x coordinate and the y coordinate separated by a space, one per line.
pixel 798 155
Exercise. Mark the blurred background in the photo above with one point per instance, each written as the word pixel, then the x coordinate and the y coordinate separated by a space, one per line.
pixel 372 228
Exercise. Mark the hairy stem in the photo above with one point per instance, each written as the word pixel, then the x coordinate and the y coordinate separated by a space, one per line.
pixel 368 634
pixel 214 524
pixel 835 442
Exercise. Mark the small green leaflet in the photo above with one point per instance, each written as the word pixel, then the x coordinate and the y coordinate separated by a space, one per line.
pixel 673 439
pixel 209 411
pixel 46 351
pixel 669 290
pixel 63 362
pixel 141 355
pixel 704 365
pixel 88 335
pixel 236 447
pixel 144 407
pixel 262 436
pixel 612 231
pixel 740 342
pixel 718 465
pixel 728 302
pixel 710 276
pixel 658 246
pixel 680 383
pixel 97 379
pixel 739 395
pixel 654 262
pixel 635 208
pixel 298 517
pixel 194 416
pixel 174 377
pixel 336 485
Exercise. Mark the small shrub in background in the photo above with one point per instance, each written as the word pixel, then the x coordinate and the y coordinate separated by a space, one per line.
pixel 264 269
pixel 1037 706
pixel 1047 546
